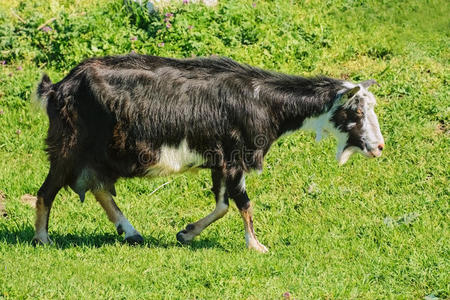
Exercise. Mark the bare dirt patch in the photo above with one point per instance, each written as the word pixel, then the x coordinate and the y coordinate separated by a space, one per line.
pixel 3 213
pixel 29 200
pixel 443 128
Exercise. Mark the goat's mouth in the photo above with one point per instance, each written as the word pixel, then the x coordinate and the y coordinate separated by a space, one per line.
pixel 372 152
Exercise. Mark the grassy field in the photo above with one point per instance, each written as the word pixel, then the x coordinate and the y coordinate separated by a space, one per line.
pixel 372 229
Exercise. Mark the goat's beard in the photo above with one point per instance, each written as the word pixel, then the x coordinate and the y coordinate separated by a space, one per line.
pixel 344 155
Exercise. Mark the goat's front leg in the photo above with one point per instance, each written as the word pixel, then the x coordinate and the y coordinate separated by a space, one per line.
pixel 219 189
pixel 236 188
pixel 132 236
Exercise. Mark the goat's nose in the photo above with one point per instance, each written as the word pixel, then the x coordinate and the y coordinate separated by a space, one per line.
pixel 381 147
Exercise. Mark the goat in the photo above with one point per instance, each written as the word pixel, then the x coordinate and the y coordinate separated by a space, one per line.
pixel 137 115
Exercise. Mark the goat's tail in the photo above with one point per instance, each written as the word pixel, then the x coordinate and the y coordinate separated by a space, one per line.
pixel 44 91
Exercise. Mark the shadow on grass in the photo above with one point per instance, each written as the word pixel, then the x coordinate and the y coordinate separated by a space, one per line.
pixel 24 234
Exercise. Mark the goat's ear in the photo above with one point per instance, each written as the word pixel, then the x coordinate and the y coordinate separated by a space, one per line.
pixel 366 84
pixel 348 94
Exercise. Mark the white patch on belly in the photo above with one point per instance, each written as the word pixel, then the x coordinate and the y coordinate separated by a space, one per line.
pixel 175 160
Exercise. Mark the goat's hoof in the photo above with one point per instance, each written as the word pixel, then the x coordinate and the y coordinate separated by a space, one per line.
pixel 136 239
pixel 258 247
pixel 119 229
pixel 38 241
pixel 181 237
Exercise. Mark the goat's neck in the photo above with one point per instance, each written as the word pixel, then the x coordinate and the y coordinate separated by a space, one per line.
pixel 320 124
pixel 309 116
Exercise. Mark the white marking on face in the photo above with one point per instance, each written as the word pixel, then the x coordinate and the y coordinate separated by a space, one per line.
pixel 371 132
pixel 175 160
pixel 370 129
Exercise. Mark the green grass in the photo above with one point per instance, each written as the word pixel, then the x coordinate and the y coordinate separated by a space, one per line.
pixel 370 229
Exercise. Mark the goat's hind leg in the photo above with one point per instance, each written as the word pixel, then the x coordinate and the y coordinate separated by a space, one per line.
pixel 45 197
pixel 132 236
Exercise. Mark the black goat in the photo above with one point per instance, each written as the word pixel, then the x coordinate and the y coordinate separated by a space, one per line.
pixel 137 115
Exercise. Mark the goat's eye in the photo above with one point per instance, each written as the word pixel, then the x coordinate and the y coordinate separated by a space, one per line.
pixel 359 112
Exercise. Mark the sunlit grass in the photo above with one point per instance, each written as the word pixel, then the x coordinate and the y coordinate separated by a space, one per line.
pixel 369 229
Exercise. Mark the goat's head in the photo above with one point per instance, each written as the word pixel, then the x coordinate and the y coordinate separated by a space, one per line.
pixel 356 123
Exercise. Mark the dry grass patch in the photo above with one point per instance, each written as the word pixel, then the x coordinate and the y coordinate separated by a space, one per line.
pixel 29 200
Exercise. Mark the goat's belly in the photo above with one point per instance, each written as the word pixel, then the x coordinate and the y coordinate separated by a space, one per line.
pixel 174 160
